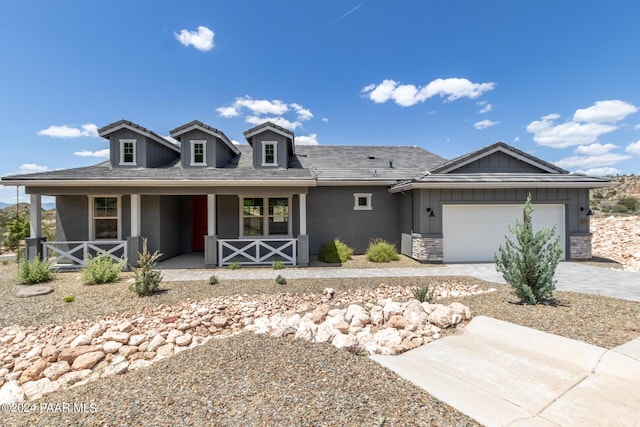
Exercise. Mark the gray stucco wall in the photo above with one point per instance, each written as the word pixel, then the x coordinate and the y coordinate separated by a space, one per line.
pixel 576 221
pixel 282 149
pixel 498 162
pixel 330 214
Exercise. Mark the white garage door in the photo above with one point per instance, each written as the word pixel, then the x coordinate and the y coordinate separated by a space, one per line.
pixel 474 232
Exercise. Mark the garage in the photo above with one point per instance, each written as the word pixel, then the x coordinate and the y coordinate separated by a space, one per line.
pixel 472 233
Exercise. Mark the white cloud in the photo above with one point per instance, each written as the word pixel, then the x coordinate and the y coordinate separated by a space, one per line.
pixel 234 142
pixel 227 112
pixel 261 106
pixel 594 149
pixel 303 113
pixel 32 168
pixel 171 139
pixel 546 132
pixel 100 153
pixel 633 148
pixel 201 39
pixel 587 125
pixel 516 139
pixel 486 107
pixel 66 131
pixel 311 139
pixel 607 159
pixel 600 171
pixel 326 120
pixel 605 111
pixel 637 127
pixel 407 95
pixel 280 121
pixel 483 124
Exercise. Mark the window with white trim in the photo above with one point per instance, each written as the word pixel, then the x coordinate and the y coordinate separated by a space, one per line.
pixel 269 153
pixel 362 202
pixel 265 216
pixel 105 217
pixel 127 151
pixel 198 153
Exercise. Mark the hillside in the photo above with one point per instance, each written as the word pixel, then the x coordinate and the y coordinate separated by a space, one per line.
pixel 621 199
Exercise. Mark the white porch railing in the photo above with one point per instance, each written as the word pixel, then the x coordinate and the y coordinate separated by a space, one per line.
pixel 257 251
pixel 76 254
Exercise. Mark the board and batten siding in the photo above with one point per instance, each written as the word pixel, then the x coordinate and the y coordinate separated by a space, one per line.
pixel 149 153
pixel 498 162
pixel 282 149
pixel 576 221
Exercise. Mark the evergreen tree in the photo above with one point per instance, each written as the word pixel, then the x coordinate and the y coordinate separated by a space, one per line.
pixel 529 263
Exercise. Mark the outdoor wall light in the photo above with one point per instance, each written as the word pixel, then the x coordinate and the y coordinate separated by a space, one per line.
pixel 431 213
pixel 589 211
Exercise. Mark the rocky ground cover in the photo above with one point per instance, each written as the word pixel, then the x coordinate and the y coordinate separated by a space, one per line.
pixel 617 238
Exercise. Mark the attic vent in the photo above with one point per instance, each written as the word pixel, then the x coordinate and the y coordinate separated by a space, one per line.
pixel 371 157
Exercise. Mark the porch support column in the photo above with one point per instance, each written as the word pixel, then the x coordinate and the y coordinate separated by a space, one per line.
pixel 303 238
pixel 135 215
pixel 34 242
pixel 133 241
pixel 211 239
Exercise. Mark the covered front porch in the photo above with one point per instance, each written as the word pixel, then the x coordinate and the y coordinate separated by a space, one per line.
pixel 219 228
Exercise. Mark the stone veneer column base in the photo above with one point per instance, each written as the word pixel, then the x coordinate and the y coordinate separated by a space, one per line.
pixel 580 246
pixel 426 247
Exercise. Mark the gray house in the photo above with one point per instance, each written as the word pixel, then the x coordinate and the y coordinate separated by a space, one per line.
pixel 272 200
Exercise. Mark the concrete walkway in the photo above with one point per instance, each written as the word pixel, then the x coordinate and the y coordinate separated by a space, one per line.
pixel 503 374
pixel 571 276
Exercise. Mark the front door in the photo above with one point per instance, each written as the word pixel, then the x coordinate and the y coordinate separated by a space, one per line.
pixel 199 222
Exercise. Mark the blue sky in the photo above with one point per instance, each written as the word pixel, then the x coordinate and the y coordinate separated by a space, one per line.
pixel 559 80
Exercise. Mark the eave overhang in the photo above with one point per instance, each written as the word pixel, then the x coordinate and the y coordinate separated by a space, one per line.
pixel 493 185
pixel 159 183
pixel 108 130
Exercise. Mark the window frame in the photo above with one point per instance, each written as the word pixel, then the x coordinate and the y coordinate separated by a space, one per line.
pixel 92 217
pixel 264 153
pixel 193 144
pixel 265 217
pixel 133 143
pixel 356 202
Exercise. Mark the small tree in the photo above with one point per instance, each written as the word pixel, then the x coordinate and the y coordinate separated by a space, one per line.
pixel 18 229
pixel 145 279
pixel 529 264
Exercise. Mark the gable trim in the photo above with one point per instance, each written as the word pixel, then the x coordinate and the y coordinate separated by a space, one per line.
pixel 265 128
pixel 219 135
pixel 504 150
pixel 104 132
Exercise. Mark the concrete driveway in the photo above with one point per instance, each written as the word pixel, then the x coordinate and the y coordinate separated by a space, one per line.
pixel 503 374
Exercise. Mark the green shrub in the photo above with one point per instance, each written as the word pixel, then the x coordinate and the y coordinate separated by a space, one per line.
pixel 335 252
pixel 213 280
pixel 529 265
pixel 281 280
pixel 629 203
pixel 277 265
pixel 69 298
pixel 18 229
pixel 101 269
pixel 234 265
pixel 146 280
pixel 424 294
pixel 381 251
pixel 35 271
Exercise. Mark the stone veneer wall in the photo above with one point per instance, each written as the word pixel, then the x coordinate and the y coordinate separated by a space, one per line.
pixel 580 246
pixel 426 248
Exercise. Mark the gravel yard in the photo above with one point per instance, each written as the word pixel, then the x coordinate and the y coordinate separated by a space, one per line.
pixel 258 380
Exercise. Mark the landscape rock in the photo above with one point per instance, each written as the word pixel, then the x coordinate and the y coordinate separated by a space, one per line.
pixel 33 291
pixel 11 392
pixel 346 342
pixel 56 370
pixel 87 360
pixel 70 354
pixel 81 339
pixel 156 342
pixel 442 317
pixel 122 337
pixel 33 372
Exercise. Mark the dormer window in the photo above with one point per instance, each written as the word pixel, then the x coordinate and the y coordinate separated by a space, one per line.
pixel 127 151
pixel 198 153
pixel 269 153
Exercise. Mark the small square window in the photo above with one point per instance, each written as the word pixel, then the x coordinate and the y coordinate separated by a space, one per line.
pixel 269 153
pixel 198 153
pixel 127 151
pixel 362 202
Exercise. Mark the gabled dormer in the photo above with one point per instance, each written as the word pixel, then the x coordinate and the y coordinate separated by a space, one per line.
pixel 497 158
pixel 133 146
pixel 272 145
pixel 203 145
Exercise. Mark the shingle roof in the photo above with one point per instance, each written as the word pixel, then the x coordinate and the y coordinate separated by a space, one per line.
pixel 330 163
pixel 108 129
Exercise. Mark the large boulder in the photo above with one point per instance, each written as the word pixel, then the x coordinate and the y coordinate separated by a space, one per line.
pixel 414 313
